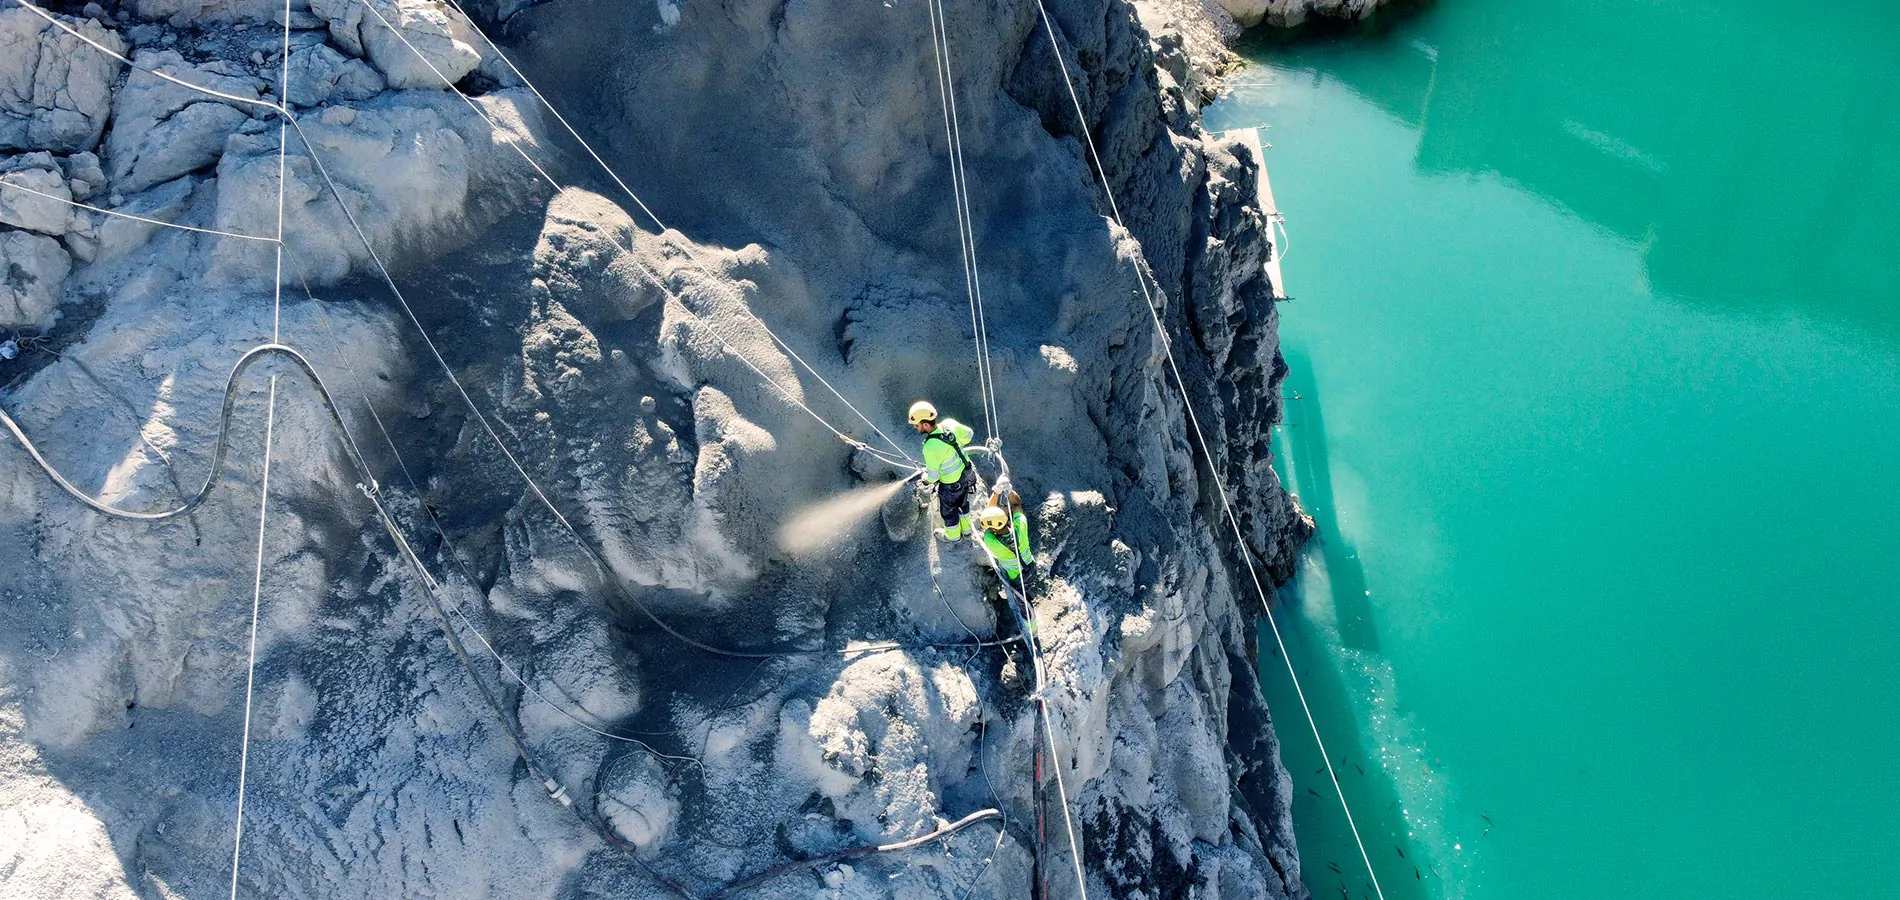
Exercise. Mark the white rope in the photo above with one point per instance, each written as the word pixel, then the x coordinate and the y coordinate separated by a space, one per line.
pixel 966 239
pixel 684 248
pixel 968 224
pixel 1200 438
pixel 1027 619
pixel 122 215
pixel 257 595
pixel 283 142
pixel 263 504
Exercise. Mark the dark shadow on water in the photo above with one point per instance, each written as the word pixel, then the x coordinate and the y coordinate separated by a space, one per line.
pixel 1306 438
pixel 1329 857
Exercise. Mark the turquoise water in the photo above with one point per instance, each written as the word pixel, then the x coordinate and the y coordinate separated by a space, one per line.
pixel 1595 392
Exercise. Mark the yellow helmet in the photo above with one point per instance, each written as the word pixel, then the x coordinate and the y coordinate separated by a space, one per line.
pixel 993 518
pixel 921 412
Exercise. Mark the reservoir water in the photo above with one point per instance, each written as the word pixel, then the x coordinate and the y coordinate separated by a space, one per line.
pixel 1595 393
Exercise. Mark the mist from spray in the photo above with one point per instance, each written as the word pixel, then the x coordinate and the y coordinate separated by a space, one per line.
pixel 824 524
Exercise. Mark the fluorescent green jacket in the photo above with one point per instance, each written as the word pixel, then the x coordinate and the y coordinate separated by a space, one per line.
pixel 1005 552
pixel 944 460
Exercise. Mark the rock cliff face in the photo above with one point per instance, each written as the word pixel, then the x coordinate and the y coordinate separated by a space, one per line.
pixel 1291 13
pixel 796 153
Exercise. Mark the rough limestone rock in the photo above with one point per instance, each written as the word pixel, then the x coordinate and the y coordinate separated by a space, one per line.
pixel 36 267
pixel 405 162
pixel 704 693
pixel 84 175
pixel 435 40
pixel 213 11
pixel 161 130
pixel 887 732
pixel 1289 13
pixel 319 74
pixel 37 172
pixel 104 238
pixel 55 91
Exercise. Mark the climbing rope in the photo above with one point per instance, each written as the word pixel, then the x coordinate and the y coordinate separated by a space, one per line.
pixel 250 669
pixel 1026 622
pixel 123 215
pixel 263 503
pixel 960 191
pixel 1200 438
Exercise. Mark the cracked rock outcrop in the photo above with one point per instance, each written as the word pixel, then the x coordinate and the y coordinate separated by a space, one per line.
pixel 618 676
pixel 1291 13
pixel 55 92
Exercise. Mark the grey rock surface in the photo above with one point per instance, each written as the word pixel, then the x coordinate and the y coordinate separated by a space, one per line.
pixel 212 12
pixel 40 173
pixel 319 74
pixel 55 92
pixel 1290 13
pixel 36 269
pixel 640 374
pixel 423 42
pixel 162 130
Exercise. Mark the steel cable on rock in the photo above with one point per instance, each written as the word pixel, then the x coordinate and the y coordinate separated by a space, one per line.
pixel 263 503
pixel 960 190
pixel 790 867
pixel 1200 437
pixel 1026 620
pixel 136 218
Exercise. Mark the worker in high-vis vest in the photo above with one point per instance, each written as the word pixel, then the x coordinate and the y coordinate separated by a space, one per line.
pixel 946 466
pixel 1004 535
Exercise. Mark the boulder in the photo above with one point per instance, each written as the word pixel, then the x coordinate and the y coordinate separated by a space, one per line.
pixel 83 175
pixel 37 172
pixel 404 168
pixel 161 130
pixel 442 37
pixel 55 91
pixel 36 267
pixel 320 75
pixel 102 238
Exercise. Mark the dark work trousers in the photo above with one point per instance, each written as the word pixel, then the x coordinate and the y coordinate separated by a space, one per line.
pixel 953 498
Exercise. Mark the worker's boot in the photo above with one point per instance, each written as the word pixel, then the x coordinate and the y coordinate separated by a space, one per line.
pixel 955 532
